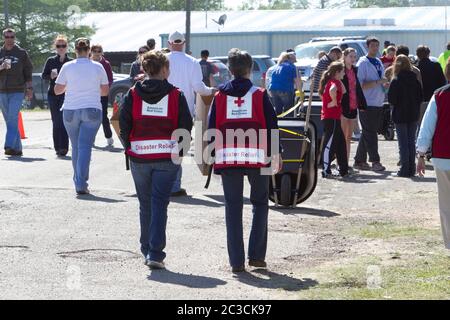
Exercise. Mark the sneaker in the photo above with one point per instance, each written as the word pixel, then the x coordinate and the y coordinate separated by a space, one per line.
pixel 155 265
pixel 110 142
pixel 363 166
pixel 377 167
pixel 257 263
pixel 181 193
pixel 238 269
pixel 332 175
pixel 83 192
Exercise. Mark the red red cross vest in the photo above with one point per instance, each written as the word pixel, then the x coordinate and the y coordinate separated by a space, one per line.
pixel 249 149
pixel 153 125
pixel 441 139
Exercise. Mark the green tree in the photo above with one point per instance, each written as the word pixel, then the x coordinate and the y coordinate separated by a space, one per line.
pixel 275 5
pixel 379 3
pixel 38 22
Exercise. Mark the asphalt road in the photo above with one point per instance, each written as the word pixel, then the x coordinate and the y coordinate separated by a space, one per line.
pixel 54 245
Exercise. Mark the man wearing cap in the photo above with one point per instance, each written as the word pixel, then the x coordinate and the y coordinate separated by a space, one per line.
pixel 334 54
pixel 185 74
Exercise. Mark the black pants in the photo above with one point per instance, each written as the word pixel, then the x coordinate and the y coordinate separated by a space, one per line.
pixel 105 122
pixel 60 137
pixel 368 143
pixel 334 144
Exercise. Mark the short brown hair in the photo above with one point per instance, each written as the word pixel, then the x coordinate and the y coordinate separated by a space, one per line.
pixel 154 61
pixel 240 62
pixel 422 52
pixel 97 46
pixel 391 48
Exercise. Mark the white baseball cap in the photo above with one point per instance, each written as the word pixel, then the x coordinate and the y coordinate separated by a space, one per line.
pixel 176 37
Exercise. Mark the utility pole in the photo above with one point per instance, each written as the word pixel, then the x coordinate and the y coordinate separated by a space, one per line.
pixel 188 25
pixel 6 7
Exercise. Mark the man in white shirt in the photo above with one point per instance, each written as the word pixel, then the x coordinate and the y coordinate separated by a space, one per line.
pixel 185 74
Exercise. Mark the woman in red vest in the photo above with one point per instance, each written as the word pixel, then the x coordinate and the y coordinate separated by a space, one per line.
pixel 331 90
pixel 435 133
pixel 241 107
pixel 150 113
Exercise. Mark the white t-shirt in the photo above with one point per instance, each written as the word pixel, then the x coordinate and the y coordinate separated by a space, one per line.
pixel 82 78
pixel 186 74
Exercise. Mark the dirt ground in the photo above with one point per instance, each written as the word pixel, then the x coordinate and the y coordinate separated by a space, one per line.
pixel 375 236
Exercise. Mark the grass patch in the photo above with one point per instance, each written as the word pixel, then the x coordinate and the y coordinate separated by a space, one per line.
pixel 388 230
pixel 415 278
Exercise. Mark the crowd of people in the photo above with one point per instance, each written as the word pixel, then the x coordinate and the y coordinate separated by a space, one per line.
pixel 162 101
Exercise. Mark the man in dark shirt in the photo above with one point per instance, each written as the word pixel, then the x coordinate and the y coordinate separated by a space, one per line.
pixel 207 69
pixel 432 77
pixel 16 72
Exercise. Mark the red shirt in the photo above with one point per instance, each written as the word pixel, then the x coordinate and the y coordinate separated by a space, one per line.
pixel 387 62
pixel 352 89
pixel 333 112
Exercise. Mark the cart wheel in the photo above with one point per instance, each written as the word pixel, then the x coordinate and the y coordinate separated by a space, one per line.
pixel 285 190
pixel 390 134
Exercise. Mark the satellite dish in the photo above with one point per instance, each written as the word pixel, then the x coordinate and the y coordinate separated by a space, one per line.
pixel 221 21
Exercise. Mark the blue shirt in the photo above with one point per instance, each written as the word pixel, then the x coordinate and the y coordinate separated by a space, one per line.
pixel 283 77
pixel 426 134
pixel 377 64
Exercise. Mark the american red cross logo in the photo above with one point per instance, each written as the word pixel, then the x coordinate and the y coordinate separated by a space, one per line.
pixel 239 102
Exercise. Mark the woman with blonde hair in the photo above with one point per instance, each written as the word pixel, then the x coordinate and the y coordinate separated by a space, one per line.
pixel 284 81
pixel 51 70
pixel 405 95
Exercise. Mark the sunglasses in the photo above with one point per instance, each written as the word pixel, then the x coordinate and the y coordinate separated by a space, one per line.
pixel 10 37
pixel 142 52
pixel 61 46
pixel 97 51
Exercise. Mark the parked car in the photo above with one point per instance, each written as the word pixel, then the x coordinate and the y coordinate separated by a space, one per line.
pixel 261 63
pixel 221 74
pixel 307 53
pixel 40 88
pixel 122 83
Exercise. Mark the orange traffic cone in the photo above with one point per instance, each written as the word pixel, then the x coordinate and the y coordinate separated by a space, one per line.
pixel 21 128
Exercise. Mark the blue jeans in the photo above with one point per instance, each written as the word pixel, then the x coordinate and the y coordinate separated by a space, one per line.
pixel 177 183
pixel 60 137
pixel 233 187
pixel 10 103
pixel 153 182
pixel 406 136
pixel 82 126
pixel 281 100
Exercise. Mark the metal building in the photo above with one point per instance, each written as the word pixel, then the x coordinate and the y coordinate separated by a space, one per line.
pixel 268 31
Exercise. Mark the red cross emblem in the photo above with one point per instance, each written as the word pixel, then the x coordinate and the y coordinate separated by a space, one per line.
pixel 239 102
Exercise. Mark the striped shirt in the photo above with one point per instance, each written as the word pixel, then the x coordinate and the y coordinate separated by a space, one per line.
pixel 321 67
